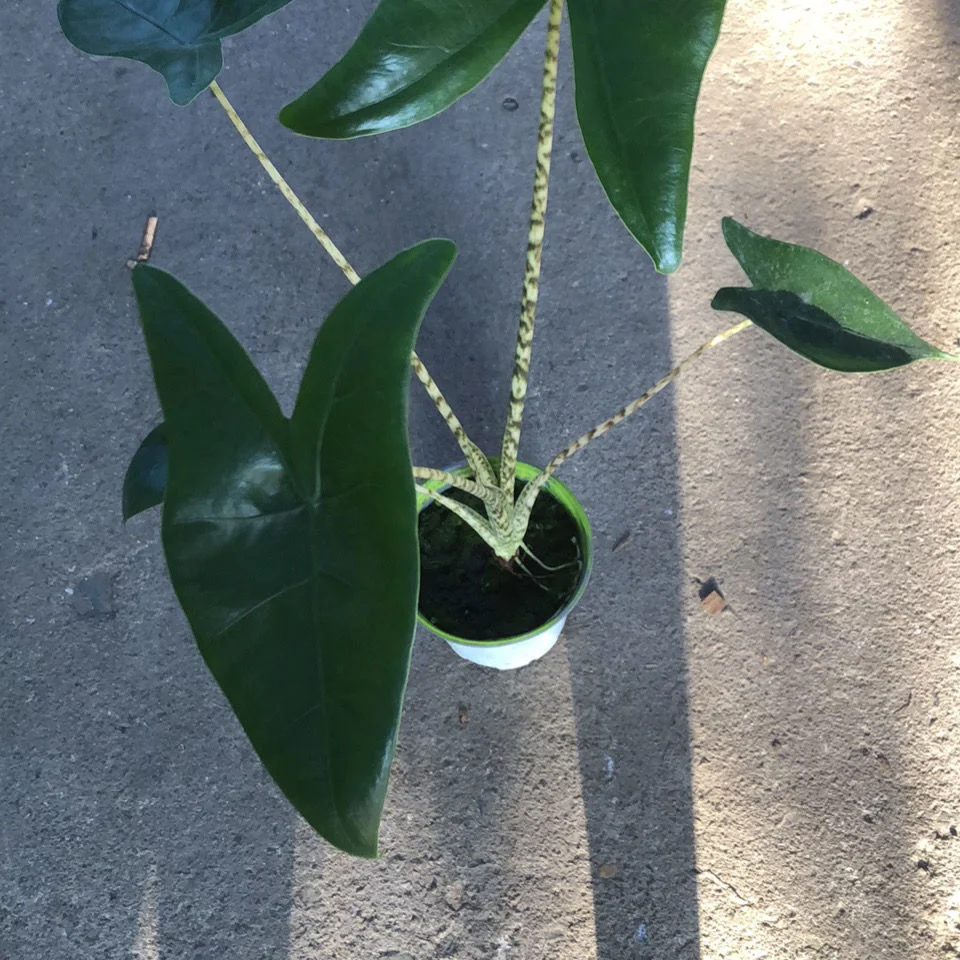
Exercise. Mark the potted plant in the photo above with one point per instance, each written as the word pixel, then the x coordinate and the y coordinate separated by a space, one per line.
pixel 300 546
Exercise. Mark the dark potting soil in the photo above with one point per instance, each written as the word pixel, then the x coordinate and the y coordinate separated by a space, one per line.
pixel 466 590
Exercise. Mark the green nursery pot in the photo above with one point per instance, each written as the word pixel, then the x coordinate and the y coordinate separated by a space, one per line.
pixel 511 651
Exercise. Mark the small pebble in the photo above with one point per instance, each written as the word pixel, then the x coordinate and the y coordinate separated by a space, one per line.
pixel 454 896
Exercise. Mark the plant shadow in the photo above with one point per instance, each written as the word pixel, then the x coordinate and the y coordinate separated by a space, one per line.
pixel 625 643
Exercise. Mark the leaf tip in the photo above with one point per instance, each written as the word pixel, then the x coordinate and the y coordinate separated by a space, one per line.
pixel 723 297
pixel 733 230
pixel 287 117
pixel 667 261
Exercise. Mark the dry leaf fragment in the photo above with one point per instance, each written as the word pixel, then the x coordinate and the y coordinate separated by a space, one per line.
pixel 620 542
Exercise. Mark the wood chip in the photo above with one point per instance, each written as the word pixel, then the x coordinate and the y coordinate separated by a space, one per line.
pixel 711 599
pixel 713 602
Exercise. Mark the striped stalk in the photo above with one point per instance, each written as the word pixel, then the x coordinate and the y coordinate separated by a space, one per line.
pixel 532 490
pixel 488 533
pixel 531 280
pixel 475 456
pixel 478 462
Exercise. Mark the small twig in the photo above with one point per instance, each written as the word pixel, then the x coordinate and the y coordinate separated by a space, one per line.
pixel 146 243
pixel 903 706
pixel 727 886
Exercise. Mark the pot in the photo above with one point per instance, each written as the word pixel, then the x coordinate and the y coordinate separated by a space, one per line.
pixel 512 652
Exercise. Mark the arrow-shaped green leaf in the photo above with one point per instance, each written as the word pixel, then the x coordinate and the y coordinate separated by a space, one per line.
pixel 180 39
pixel 292 544
pixel 638 69
pixel 817 307
pixel 409 62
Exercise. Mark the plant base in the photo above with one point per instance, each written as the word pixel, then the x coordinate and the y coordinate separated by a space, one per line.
pixel 498 614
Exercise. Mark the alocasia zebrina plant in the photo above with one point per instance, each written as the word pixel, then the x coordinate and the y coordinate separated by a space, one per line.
pixel 291 542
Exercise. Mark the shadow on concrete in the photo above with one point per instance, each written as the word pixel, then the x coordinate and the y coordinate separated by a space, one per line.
pixel 134 820
pixel 949 12
pixel 607 339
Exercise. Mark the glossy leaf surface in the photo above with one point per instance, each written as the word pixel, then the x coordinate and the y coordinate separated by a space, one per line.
pixel 409 62
pixel 292 543
pixel 638 66
pixel 180 39
pixel 817 307
pixel 146 477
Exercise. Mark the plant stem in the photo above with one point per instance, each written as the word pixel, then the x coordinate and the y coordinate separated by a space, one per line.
pixel 471 451
pixel 475 456
pixel 472 519
pixel 530 492
pixel 274 174
pixel 488 494
pixel 531 280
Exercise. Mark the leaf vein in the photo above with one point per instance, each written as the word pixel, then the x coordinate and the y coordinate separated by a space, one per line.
pixel 153 23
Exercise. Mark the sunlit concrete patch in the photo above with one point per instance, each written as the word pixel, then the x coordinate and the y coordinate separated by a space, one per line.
pixel 814 39
pixel 824 702
pixel 145 946
pixel 948 923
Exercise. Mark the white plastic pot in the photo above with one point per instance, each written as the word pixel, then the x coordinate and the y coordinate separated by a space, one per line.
pixel 513 652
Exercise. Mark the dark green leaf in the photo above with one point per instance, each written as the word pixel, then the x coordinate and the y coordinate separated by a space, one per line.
pixel 292 544
pixel 146 478
pixel 178 38
pixel 411 61
pixel 638 70
pixel 817 307
pixel 812 332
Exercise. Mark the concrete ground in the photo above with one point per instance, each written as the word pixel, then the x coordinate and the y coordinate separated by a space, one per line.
pixel 778 781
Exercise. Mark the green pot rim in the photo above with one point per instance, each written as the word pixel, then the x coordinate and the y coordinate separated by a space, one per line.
pixel 564 496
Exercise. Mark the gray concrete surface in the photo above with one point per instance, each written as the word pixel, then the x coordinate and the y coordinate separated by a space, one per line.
pixel 779 781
